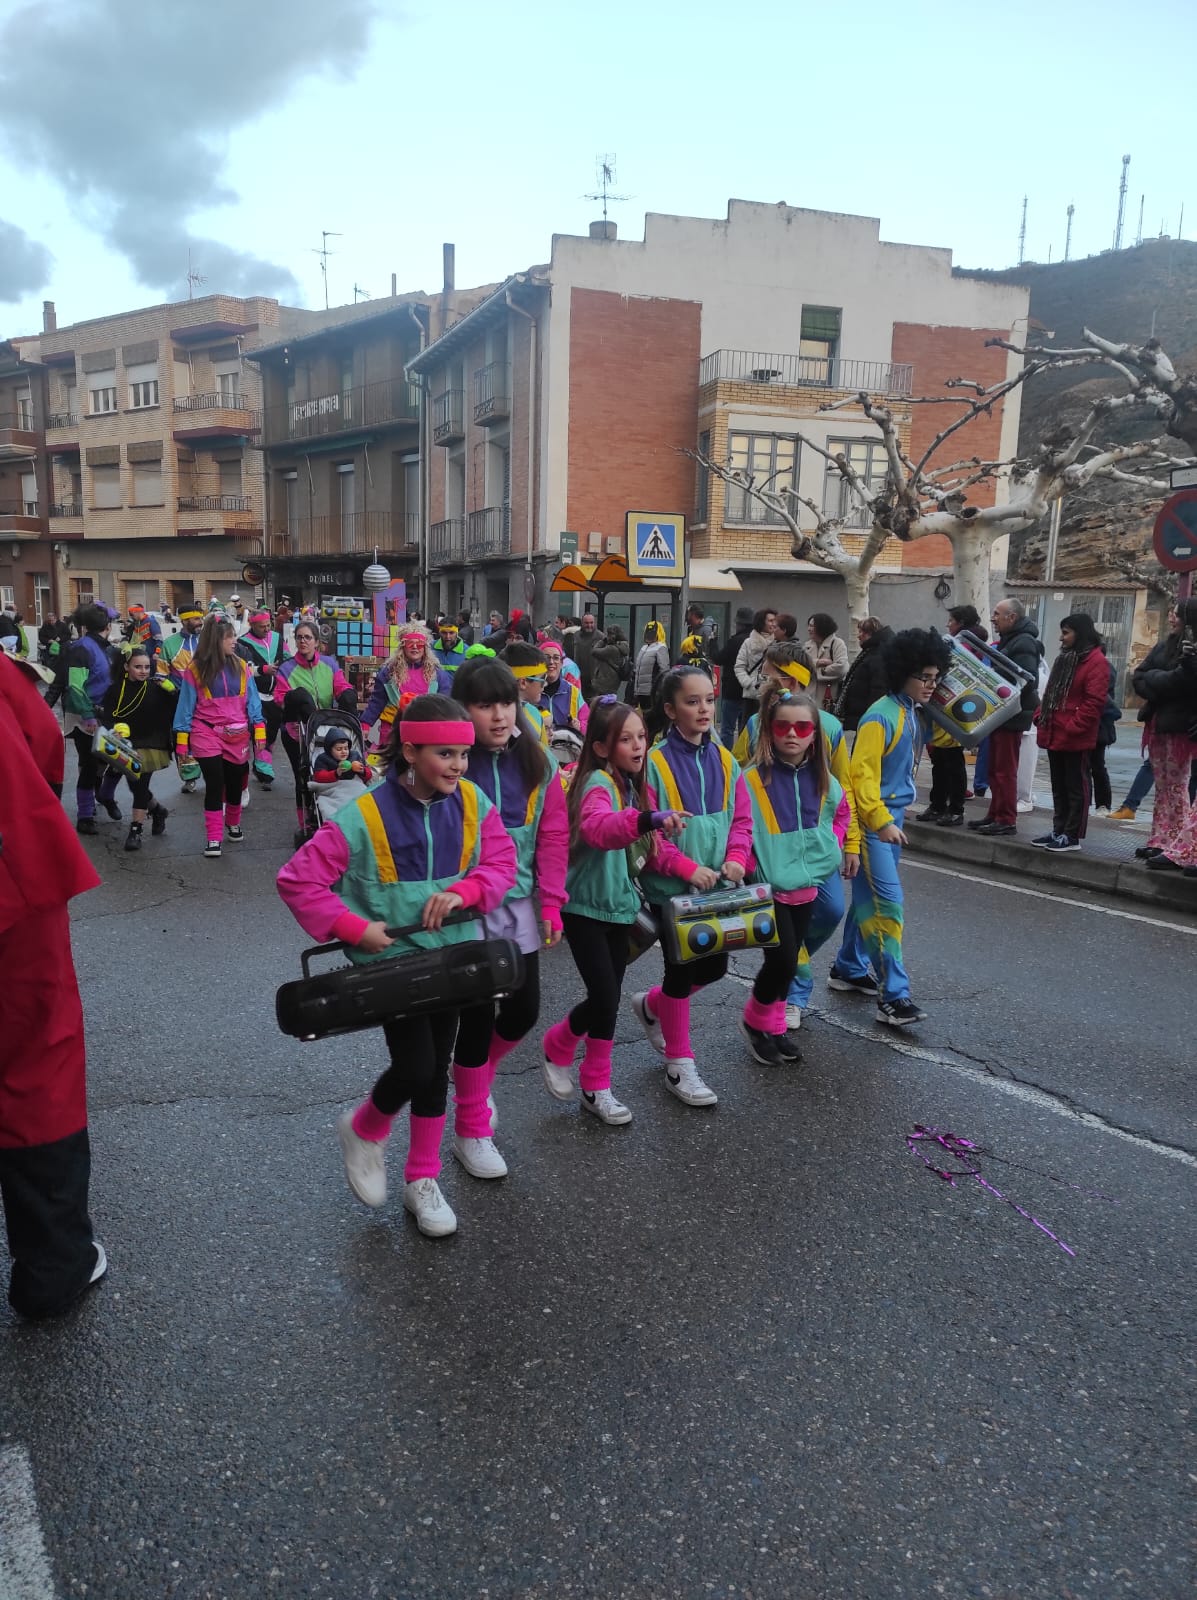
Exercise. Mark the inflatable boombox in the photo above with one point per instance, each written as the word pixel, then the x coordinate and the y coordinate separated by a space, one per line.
pixel 343 608
pixel 114 750
pixel 980 691
pixel 718 923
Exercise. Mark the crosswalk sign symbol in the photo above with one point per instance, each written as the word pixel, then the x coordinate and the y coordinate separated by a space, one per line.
pixel 656 545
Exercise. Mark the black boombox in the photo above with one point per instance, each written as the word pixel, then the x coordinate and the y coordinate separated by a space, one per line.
pixel 348 999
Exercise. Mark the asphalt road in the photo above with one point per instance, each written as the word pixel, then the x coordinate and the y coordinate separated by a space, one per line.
pixel 759 1351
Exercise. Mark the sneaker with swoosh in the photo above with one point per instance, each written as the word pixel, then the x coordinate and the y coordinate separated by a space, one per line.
pixel 683 1082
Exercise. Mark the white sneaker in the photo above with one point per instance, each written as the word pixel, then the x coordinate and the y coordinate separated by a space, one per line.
pixel 1102 811
pixel 244 798
pixel 365 1164
pixel 603 1105
pixel 682 1080
pixel 559 1081
pixel 1024 806
pixel 434 1216
pixel 212 850
pixel 650 1024
pixel 479 1157
pixel 793 1018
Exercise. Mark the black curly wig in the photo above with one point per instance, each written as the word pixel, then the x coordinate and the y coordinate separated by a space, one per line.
pixel 910 652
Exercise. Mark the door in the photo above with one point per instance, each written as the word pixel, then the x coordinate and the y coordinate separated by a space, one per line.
pixel 345 476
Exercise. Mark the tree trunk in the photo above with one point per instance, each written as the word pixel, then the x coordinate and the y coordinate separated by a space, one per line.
pixel 970 564
pixel 856 586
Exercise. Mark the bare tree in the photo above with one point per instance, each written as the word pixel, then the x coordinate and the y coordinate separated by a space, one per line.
pixel 917 499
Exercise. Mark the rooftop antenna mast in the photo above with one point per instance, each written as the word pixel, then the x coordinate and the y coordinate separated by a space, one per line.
pixel 605 178
pixel 1068 233
pixel 1121 205
pixel 324 252
pixel 193 278
pixel 1022 234
pixel 360 294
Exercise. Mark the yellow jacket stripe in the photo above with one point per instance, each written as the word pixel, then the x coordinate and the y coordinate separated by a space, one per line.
pixel 469 823
pixel 376 829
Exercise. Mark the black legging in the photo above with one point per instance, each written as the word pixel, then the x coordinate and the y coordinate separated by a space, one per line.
pixel 1070 791
pixel 143 800
pixel 513 1018
pixel 780 960
pixel 1103 794
pixel 600 952
pixel 224 781
pixel 89 764
pixel 420 1048
pixel 682 978
pixel 949 779
pixel 294 756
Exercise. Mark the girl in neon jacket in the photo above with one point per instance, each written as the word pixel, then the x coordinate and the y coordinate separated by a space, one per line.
pixel 412 669
pixel 520 780
pixel 415 849
pixel 307 683
pixel 218 722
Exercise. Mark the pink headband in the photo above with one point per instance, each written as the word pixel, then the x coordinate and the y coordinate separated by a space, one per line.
pixel 436 732
pixel 259 616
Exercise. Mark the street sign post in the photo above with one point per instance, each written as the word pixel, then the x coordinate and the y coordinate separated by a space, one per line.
pixel 1175 538
pixel 656 544
pixel 1182 478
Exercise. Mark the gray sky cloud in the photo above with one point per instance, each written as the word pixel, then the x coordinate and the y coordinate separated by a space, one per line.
pixel 144 98
pixel 24 264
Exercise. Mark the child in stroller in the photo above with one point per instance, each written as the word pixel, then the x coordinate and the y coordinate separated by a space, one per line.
pixel 333 754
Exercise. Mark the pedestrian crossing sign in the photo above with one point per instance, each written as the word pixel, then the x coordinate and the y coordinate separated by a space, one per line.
pixel 656 544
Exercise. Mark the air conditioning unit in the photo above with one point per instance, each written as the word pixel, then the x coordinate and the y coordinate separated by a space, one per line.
pixel 614 544
pixel 594 543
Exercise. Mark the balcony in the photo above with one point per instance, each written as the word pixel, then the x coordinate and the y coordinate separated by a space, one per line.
pixel 20 519
pixel 362 407
pixel 806 372
pixel 488 533
pixel 66 520
pixel 448 417
pixel 492 394
pixel 391 533
pixel 213 416
pixel 214 502
pixel 20 439
pixel 447 543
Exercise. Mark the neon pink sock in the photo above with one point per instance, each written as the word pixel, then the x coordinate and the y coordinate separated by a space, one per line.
pixel 561 1043
pixel 596 1065
pixel 674 1017
pixel 758 1016
pixel 424 1156
pixel 471 1085
pixel 214 826
pixel 371 1123
pixel 777 1018
pixel 232 815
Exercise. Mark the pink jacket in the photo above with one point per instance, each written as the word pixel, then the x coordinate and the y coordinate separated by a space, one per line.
pixel 552 854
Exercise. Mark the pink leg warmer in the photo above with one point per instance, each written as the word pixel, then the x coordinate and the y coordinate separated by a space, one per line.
pixel 471 1085
pixel 561 1043
pixel 214 826
pixel 759 1016
pixel 499 1049
pixel 371 1123
pixel 596 1065
pixel 424 1157
pixel 232 815
pixel 777 1015
pixel 674 1017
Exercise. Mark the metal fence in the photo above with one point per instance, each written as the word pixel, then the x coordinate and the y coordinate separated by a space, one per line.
pixel 488 533
pixel 818 372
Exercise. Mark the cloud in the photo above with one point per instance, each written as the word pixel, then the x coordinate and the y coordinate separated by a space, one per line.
pixel 24 264
pixel 129 107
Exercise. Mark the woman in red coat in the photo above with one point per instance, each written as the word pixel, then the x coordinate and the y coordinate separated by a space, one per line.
pixel 1069 719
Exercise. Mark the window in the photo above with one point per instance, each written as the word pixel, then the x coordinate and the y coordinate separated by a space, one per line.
pixel 867 459
pixel 345 503
pixel 41 596
pixel 101 392
pixel 25 411
pixel 771 460
pixel 106 488
pixel 147 483
pixel 29 493
pixel 143 385
pixel 703 481
pixel 8 596
pixel 228 383
pixel 230 477
pixel 291 504
pixel 819 343
pixel 83 591
pixel 142 594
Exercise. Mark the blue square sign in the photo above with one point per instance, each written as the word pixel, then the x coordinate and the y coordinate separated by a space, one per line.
pixel 656 544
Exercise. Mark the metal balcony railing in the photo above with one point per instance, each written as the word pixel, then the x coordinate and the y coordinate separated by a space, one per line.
pixel 391 533
pixel 492 393
pixel 448 416
pixel 488 533
pixel 447 543
pixel 806 372
pixel 62 419
pixel 72 508
pixel 363 405
pixel 211 402
pixel 214 502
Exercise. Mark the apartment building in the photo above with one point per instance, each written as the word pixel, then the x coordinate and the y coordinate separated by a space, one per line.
pixel 26 554
pixel 735 334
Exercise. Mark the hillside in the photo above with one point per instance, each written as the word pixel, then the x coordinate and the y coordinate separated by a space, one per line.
pixel 1123 295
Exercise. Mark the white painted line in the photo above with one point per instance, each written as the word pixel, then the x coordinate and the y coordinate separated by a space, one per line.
pixel 1056 899
pixel 24 1565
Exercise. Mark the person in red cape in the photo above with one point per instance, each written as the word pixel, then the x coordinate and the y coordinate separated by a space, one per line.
pixel 45 1157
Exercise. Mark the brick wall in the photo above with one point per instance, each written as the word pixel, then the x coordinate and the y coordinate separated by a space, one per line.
pixel 633 395
pixel 936 354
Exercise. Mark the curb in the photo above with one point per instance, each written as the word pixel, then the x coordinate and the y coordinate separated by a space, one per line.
pixel 1126 880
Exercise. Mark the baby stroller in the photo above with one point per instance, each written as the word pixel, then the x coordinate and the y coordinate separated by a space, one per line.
pixel 322 801
pixel 566 746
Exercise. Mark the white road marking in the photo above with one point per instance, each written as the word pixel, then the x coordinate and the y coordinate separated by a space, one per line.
pixel 24 1565
pixel 1056 899
pixel 883 1038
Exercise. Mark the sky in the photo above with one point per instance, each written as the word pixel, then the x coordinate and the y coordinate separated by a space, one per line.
pixel 133 132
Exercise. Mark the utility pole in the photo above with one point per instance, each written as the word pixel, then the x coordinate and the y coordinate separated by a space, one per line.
pixel 1022 234
pixel 1139 234
pixel 1121 205
pixel 1068 234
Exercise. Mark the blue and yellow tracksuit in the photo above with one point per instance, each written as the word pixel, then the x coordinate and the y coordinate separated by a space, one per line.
pixel 889 742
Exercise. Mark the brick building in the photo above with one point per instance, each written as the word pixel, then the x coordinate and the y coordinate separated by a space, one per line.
pixel 26 553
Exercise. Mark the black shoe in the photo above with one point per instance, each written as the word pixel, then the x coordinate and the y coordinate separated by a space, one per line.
pixel 979 794
pixel 994 830
pixel 932 814
pixel 899 1013
pixel 951 819
pixel 158 818
pixel 786 1048
pixel 113 810
pixel 133 837
pixel 86 825
pixel 846 985
pixel 1146 851
pixel 978 824
pixel 763 1046
pixel 1163 863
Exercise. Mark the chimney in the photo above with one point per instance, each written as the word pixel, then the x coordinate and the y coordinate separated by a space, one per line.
pixel 604 230
pixel 394 284
pixel 449 268
pixel 49 317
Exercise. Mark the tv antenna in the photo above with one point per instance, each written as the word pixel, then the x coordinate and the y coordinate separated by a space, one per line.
pixel 193 278
pixel 1068 233
pixel 324 252
pixel 1022 234
pixel 604 177
pixel 1121 204
pixel 360 294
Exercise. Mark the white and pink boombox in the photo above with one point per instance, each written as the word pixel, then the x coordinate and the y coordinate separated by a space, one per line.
pixel 980 691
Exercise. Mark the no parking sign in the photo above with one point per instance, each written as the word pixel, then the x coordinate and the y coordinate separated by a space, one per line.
pixel 1175 534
